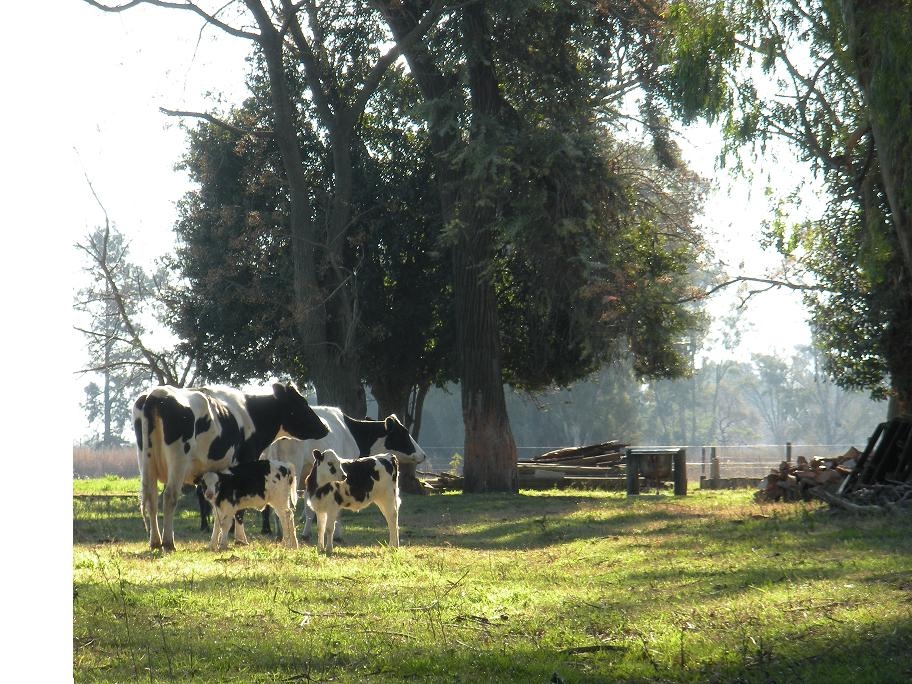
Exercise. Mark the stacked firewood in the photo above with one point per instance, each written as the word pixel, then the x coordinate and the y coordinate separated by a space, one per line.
pixel 794 482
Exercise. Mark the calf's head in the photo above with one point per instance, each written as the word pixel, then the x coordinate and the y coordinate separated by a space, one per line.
pixel 209 484
pixel 328 465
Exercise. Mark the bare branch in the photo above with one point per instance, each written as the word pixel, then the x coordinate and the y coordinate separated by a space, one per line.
pixel 221 123
pixel 192 7
pixel 767 285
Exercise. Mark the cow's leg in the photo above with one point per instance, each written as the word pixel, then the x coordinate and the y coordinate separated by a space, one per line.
pixel 205 510
pixel 267 514
pixel 309 516
pixel 240 535
pixel 328 528
pixel 216 529
pixel 337 530
pixel 391 512
pixel 322 519
pixel 148 505
pixel 177 473
pixel 224 527
pixel 288 526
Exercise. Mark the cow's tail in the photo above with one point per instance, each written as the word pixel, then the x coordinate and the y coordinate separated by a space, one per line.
pixel 293 490
pixel 150 449
pixel 141 430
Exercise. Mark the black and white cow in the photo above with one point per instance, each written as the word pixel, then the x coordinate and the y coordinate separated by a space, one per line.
pixel 182 433
pixel 334 484
pixel 255 484
pixel 351 438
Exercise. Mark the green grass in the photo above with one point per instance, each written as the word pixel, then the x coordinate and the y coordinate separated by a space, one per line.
pixel 588 586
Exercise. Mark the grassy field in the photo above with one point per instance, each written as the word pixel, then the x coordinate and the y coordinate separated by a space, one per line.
pixel 563 586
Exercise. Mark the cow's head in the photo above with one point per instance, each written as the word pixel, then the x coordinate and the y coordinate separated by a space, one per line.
pixel 297 418
pixel 209 484
pixel 398 441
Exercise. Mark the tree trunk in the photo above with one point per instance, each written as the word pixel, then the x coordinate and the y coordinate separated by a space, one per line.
pixel 878 36
pixel 490 452
pixel 324 323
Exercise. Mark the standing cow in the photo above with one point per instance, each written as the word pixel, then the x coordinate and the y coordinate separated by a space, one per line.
pixel 182 433
pixel 350 438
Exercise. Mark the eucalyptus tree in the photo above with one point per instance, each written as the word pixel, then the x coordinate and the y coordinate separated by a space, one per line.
pixel 568 248
pixel 831 79
pixel 336 51
pixel 114 312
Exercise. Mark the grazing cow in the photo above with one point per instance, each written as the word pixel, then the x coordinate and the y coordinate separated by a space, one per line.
pixel 183 433
pixel 255 484
pixel 350 438
pixel 334 484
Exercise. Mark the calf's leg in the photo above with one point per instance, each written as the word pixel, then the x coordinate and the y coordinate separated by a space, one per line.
pixel 390 510
pixel 223 526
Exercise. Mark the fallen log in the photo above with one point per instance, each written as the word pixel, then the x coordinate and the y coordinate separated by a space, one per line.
pixel 841 502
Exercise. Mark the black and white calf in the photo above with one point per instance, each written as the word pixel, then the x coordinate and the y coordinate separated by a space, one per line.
pixel 182 433
pixel 348 438
pixel 334 484
pixel 251 485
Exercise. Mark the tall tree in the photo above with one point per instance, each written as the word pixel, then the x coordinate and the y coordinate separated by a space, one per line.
pixel 524 177
pixel 335 50
pixel 118 304
pixel 839 96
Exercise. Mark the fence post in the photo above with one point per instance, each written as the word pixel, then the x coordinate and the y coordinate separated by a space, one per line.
pixel 788 452
pixel 714 474
pixel 633 473
pixel 702 462
pixel 679 468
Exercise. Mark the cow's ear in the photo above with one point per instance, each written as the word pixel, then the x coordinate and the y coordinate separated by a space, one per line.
pixel 391 422
pixel 278 389
pixel 318 455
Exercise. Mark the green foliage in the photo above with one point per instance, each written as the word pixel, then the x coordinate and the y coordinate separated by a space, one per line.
pixel 588 586
pixel 698 49
pixel 593 239
pixel 795 77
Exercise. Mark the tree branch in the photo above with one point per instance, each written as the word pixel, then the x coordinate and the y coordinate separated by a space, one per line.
pixel 192 7
pixel 215 121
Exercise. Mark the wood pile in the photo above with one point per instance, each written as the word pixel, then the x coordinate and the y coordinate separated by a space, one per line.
pixel 595 465
pixel 877 479
pixel 794 482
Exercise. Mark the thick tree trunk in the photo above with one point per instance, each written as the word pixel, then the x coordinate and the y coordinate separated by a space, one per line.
pixel 490 451
pixel 878 36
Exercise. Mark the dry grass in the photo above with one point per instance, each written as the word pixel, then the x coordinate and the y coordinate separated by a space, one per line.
pixel 90 462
